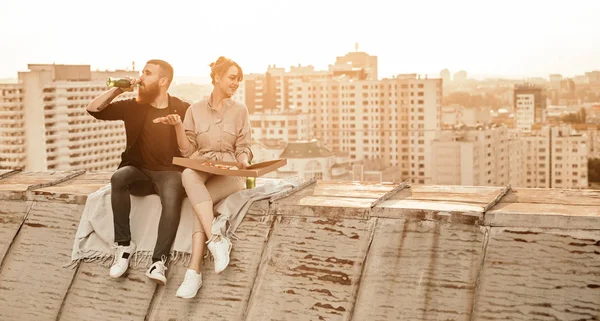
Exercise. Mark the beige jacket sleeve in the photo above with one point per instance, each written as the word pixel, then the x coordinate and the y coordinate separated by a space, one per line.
pixel 190 133
pixel 244 137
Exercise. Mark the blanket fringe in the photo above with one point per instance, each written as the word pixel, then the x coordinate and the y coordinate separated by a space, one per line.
pixel 88 257
pixel 143 258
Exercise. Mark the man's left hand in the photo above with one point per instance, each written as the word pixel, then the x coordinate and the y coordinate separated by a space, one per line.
pixel 172 119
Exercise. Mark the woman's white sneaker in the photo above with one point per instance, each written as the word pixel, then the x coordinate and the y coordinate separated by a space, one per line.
pixel 220 251
pixel 190 285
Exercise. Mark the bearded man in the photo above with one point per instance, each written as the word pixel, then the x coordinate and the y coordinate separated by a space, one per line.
pixel 146 164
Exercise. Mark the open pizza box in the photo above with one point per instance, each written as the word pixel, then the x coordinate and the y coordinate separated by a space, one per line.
pixel 227 168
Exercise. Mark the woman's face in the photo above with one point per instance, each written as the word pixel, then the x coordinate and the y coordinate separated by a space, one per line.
pixel 228 83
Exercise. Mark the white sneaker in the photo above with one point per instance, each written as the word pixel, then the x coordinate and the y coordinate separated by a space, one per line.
pixel 190 285
pixel 220 251
pixel 120 261
pixel 156 272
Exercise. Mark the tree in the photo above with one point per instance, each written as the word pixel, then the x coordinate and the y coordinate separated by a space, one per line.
pixel 594 170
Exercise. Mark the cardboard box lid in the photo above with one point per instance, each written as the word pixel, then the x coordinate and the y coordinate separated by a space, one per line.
pixel 211 166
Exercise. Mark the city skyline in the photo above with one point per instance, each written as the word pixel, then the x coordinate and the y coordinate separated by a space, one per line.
pixel 424 37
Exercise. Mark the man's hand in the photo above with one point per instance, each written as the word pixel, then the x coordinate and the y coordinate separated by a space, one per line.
pixel 172 119
pixel 133 82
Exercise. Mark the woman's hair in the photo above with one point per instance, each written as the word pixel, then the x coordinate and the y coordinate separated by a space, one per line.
pixel 220 66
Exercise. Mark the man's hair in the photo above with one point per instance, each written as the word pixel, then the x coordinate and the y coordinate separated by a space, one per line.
pixel 166 70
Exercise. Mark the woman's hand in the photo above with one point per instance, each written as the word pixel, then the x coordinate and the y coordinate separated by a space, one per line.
pixel 243 164
pixel 172 119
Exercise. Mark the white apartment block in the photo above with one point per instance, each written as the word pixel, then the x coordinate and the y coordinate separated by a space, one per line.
pixel 271 90
pixel 529 105
pixel 555 157
pixel 291 125
pixel 12 127
pixel 524 112
pixel 391 119
pixel 471 156
pixel 49 120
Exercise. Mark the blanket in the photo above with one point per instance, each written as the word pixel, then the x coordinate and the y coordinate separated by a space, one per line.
pixel 95 235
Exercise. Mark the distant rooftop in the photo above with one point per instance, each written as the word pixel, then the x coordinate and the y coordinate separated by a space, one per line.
pixel 305 149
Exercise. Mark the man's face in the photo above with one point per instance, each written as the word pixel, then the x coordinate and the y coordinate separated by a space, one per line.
pixel 149 84
pixel 228 82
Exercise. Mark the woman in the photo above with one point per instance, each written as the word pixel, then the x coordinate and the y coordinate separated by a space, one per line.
pixel 219 129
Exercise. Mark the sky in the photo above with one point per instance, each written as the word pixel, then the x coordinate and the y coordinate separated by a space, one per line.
pixel 486 38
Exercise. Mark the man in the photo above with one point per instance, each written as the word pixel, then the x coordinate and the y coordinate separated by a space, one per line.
pixel 146 164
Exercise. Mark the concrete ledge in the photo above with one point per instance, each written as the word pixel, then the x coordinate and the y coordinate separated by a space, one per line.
pixel 569 209
pixel 329 251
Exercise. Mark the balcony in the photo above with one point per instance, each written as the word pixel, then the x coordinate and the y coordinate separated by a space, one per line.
pixel 329 250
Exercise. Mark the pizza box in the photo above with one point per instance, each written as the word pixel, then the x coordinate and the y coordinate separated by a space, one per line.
pixel 220 167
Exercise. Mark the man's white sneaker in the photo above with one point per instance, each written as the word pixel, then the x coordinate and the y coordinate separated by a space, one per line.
pixel 120 261
pixel 220 251
pixel 156 272
pixel 190 285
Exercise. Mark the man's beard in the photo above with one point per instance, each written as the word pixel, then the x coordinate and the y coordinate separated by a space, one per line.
pixel 147 94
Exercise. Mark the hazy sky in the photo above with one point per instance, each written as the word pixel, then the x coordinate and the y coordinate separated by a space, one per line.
pixel 507 37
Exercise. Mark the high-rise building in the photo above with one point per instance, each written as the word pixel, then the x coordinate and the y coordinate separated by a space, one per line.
pixel 392 119
pixel 445 75
pixel 48 128
pixel 12 127
pixel 555 80
pixel 358 64
pixel 460 76
pixel 592 79
pixel 529 105
pixel 555 157
pixel 273 89
pixel 473 156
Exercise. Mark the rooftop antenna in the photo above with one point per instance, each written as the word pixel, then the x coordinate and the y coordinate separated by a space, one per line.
pixel 133 65
pixel 356 46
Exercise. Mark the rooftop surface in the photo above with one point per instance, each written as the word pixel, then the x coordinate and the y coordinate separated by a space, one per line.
pixel 330 251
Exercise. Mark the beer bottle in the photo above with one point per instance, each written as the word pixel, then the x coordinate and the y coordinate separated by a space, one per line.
pixel 250 181
pixel 119 82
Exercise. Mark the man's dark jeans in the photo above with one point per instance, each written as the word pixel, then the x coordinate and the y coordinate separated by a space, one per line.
pixel 130 180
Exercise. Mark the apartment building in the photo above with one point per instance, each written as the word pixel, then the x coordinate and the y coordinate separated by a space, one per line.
pixel 48 128
pixel 473 156
pixel 290 125
pixel 392 119
pixel 555 157
pixel 529 105
pixel 273 89
pixel 12 127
